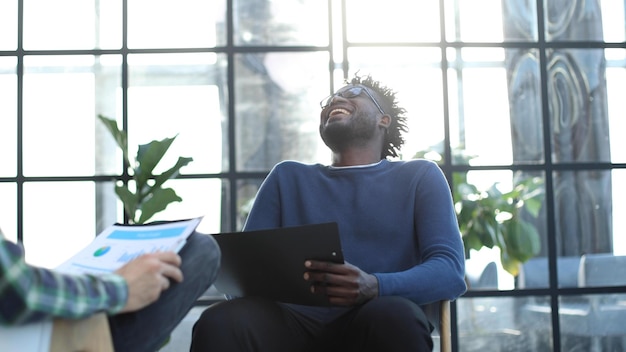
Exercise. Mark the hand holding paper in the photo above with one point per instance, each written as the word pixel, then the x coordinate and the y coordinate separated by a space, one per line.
pixel 149 275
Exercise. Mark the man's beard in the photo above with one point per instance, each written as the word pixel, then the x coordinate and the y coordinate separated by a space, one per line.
pixel 357 132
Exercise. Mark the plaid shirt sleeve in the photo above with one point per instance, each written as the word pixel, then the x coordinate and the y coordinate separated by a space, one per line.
pixel 29 294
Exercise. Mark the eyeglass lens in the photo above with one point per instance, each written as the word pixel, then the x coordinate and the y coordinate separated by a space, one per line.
pixel 348 94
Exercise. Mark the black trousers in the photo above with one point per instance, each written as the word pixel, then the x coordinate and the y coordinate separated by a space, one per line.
pixel 148 328
pixel 389 324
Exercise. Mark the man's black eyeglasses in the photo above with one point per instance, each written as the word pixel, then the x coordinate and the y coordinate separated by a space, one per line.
pixel 349 94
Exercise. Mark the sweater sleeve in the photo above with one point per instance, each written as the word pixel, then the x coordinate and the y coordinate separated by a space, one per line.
pixel 440 275
pixel 30 294
pixel 266 210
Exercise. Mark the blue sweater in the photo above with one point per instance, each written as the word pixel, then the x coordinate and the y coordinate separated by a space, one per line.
pixel 396 221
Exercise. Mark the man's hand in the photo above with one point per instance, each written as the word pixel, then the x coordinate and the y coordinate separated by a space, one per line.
pixel 147 276
pixel 344 284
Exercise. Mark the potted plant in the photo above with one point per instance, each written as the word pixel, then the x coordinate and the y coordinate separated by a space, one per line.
pixel 492 218
pixel 146 196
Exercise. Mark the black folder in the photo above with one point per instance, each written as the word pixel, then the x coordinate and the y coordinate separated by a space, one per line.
pixel 270 263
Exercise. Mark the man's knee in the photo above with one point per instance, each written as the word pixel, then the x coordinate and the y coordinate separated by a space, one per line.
pixel 393 306
pixel 241 324
pixel 201 256
pixel 391 313
pixel 240 314
pixel 395 322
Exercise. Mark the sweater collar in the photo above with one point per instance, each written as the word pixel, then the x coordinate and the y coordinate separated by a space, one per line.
pixel 355 166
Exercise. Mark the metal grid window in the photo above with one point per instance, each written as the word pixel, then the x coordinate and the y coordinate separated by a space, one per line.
pixel 495 92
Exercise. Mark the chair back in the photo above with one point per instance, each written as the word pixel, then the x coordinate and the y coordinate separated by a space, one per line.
pixel 602 269
pixel 534 273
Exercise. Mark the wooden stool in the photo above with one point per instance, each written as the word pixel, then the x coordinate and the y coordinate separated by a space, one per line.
pixel 85 335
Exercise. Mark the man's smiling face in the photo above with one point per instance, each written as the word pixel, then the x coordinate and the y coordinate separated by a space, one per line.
pixel 350 116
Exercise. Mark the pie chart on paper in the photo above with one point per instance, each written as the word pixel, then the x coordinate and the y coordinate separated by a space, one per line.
pixel 101 251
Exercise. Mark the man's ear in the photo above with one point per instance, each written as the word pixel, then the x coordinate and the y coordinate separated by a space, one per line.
pixel 385 121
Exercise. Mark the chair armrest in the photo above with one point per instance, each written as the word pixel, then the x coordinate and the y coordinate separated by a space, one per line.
pixel 89 335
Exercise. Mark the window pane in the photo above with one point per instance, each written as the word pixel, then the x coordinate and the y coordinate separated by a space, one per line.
pixel 179 24
pixel 525 105
pixel 395 21
pixel 415 75
pixel 246 193
pixel 8 121
pixel 480 113
pixel 519 19
pixel 584 216
pixel 616 104
pixel 534 317
pixel 590 20
pixel 109 209
pixel 592 322
pixel 577 92
pixel 60 94
pixel 498 324
pixel 58 220
pixel 8 210
pixel 181 95
pixel 277 108
pixel 486 129
pixel 108 102
pixel 613 20
pixel 8 24
pixel 618 179
pixel 481 271
pixel 492 21
pixel 72 24
pixel 280 22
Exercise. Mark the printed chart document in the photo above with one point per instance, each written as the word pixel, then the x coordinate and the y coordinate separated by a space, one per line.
pixel 120 243
pixel 111 249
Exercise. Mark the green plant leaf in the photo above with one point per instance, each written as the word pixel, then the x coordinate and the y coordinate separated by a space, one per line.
pixel 533 206
pixel 149 197
pixel 491 233
pixel 159 199
pixel 465 189
pixel 494 193
pixel 172 172
pixel 467 212
pixel 484 230
pixel 119 136
pixel 471 241
pixel 511 265
pixel 148 156
pixel 128 198
pixel 523 240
